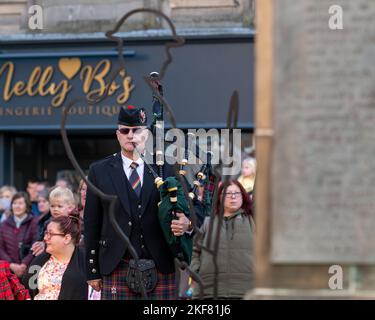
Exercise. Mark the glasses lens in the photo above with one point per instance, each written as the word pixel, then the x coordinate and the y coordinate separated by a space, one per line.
pixel 127 130
pixel 124 130
pixel 233 194
pixel 50 234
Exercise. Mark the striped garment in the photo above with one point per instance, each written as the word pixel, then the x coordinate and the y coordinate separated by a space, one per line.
pixel 10 286
pixel 115 288
pixel 136 183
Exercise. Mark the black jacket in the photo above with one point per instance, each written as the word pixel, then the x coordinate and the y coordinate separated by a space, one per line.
pixel 73 285
pixel 104 247
pixel 42 224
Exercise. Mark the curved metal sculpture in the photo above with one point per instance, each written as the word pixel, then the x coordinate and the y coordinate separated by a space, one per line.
pixel 232 121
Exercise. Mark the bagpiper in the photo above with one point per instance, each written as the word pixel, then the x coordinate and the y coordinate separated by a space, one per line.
pixel 110 266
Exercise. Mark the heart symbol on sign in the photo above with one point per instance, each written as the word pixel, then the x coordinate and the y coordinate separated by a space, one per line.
pixel 69 66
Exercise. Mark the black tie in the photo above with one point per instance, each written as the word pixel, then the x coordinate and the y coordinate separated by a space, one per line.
pixel 134 179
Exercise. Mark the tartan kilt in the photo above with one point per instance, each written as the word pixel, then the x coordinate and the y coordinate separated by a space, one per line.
pixel 115 287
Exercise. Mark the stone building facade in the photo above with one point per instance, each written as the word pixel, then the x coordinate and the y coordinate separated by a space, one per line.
pixel 88 16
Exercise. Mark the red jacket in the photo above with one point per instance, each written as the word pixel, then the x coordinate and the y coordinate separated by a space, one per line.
pixel 10 287
pixel 11 237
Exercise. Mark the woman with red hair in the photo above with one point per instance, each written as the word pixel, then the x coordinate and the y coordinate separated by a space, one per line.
pixel 59 272
pixel 233 226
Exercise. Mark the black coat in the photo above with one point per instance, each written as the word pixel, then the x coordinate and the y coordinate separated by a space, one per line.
pixel 73 285
pixel 42 224
pixel 104 247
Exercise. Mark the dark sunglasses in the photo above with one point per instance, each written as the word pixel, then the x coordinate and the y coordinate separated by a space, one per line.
pixel 127 130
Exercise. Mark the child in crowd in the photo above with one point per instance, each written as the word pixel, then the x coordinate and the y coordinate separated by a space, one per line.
pixel 62 203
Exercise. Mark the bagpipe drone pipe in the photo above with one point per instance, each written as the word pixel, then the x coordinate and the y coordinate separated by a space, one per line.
pixel 172 194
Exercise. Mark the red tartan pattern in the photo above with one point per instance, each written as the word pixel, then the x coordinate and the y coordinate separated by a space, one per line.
pixel 115 288
pixel 10 286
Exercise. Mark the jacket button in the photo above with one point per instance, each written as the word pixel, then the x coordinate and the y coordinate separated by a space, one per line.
pixel 139 206
pixel 91 261
pixel 130 223
pixel 93 270
pixel 92 251
pixel 142 236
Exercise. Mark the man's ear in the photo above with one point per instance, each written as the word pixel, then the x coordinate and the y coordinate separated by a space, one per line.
pixel 145 134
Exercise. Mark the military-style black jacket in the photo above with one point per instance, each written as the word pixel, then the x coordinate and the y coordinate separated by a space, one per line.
pixel 138 219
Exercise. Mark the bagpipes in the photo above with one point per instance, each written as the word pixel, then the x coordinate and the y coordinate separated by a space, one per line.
pixel 172 196
pixel 203 179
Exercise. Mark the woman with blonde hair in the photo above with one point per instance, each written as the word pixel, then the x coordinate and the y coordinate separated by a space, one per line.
pixel 247 177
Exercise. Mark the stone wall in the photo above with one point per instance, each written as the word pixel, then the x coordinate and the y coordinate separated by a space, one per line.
pixel 12 15
pixel 315 109
pixel 86 16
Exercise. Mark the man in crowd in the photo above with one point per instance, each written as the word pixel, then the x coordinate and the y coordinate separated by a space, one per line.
pixel 32 190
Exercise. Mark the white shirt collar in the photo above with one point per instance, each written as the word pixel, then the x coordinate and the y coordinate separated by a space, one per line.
pixel 127 162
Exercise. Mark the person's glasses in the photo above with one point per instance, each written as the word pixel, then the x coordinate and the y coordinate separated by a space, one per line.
pixel 232 194
pixel 127 130
pixel 51 234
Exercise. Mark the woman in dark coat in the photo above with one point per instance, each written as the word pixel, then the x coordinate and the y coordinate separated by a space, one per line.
pixel 59 273
pixel 45 213
pixel 43 220
pixel 18 233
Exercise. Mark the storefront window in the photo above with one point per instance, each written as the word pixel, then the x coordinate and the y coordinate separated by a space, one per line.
pixel 44 158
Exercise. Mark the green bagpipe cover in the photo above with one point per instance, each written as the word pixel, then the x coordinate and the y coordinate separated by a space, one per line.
pixel 181 246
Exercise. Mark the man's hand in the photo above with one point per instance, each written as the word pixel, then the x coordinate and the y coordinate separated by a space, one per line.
pixel 180 226
pixel 96 284
pixel 38 248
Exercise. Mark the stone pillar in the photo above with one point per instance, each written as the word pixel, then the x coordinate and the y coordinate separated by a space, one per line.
pixel 315 109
